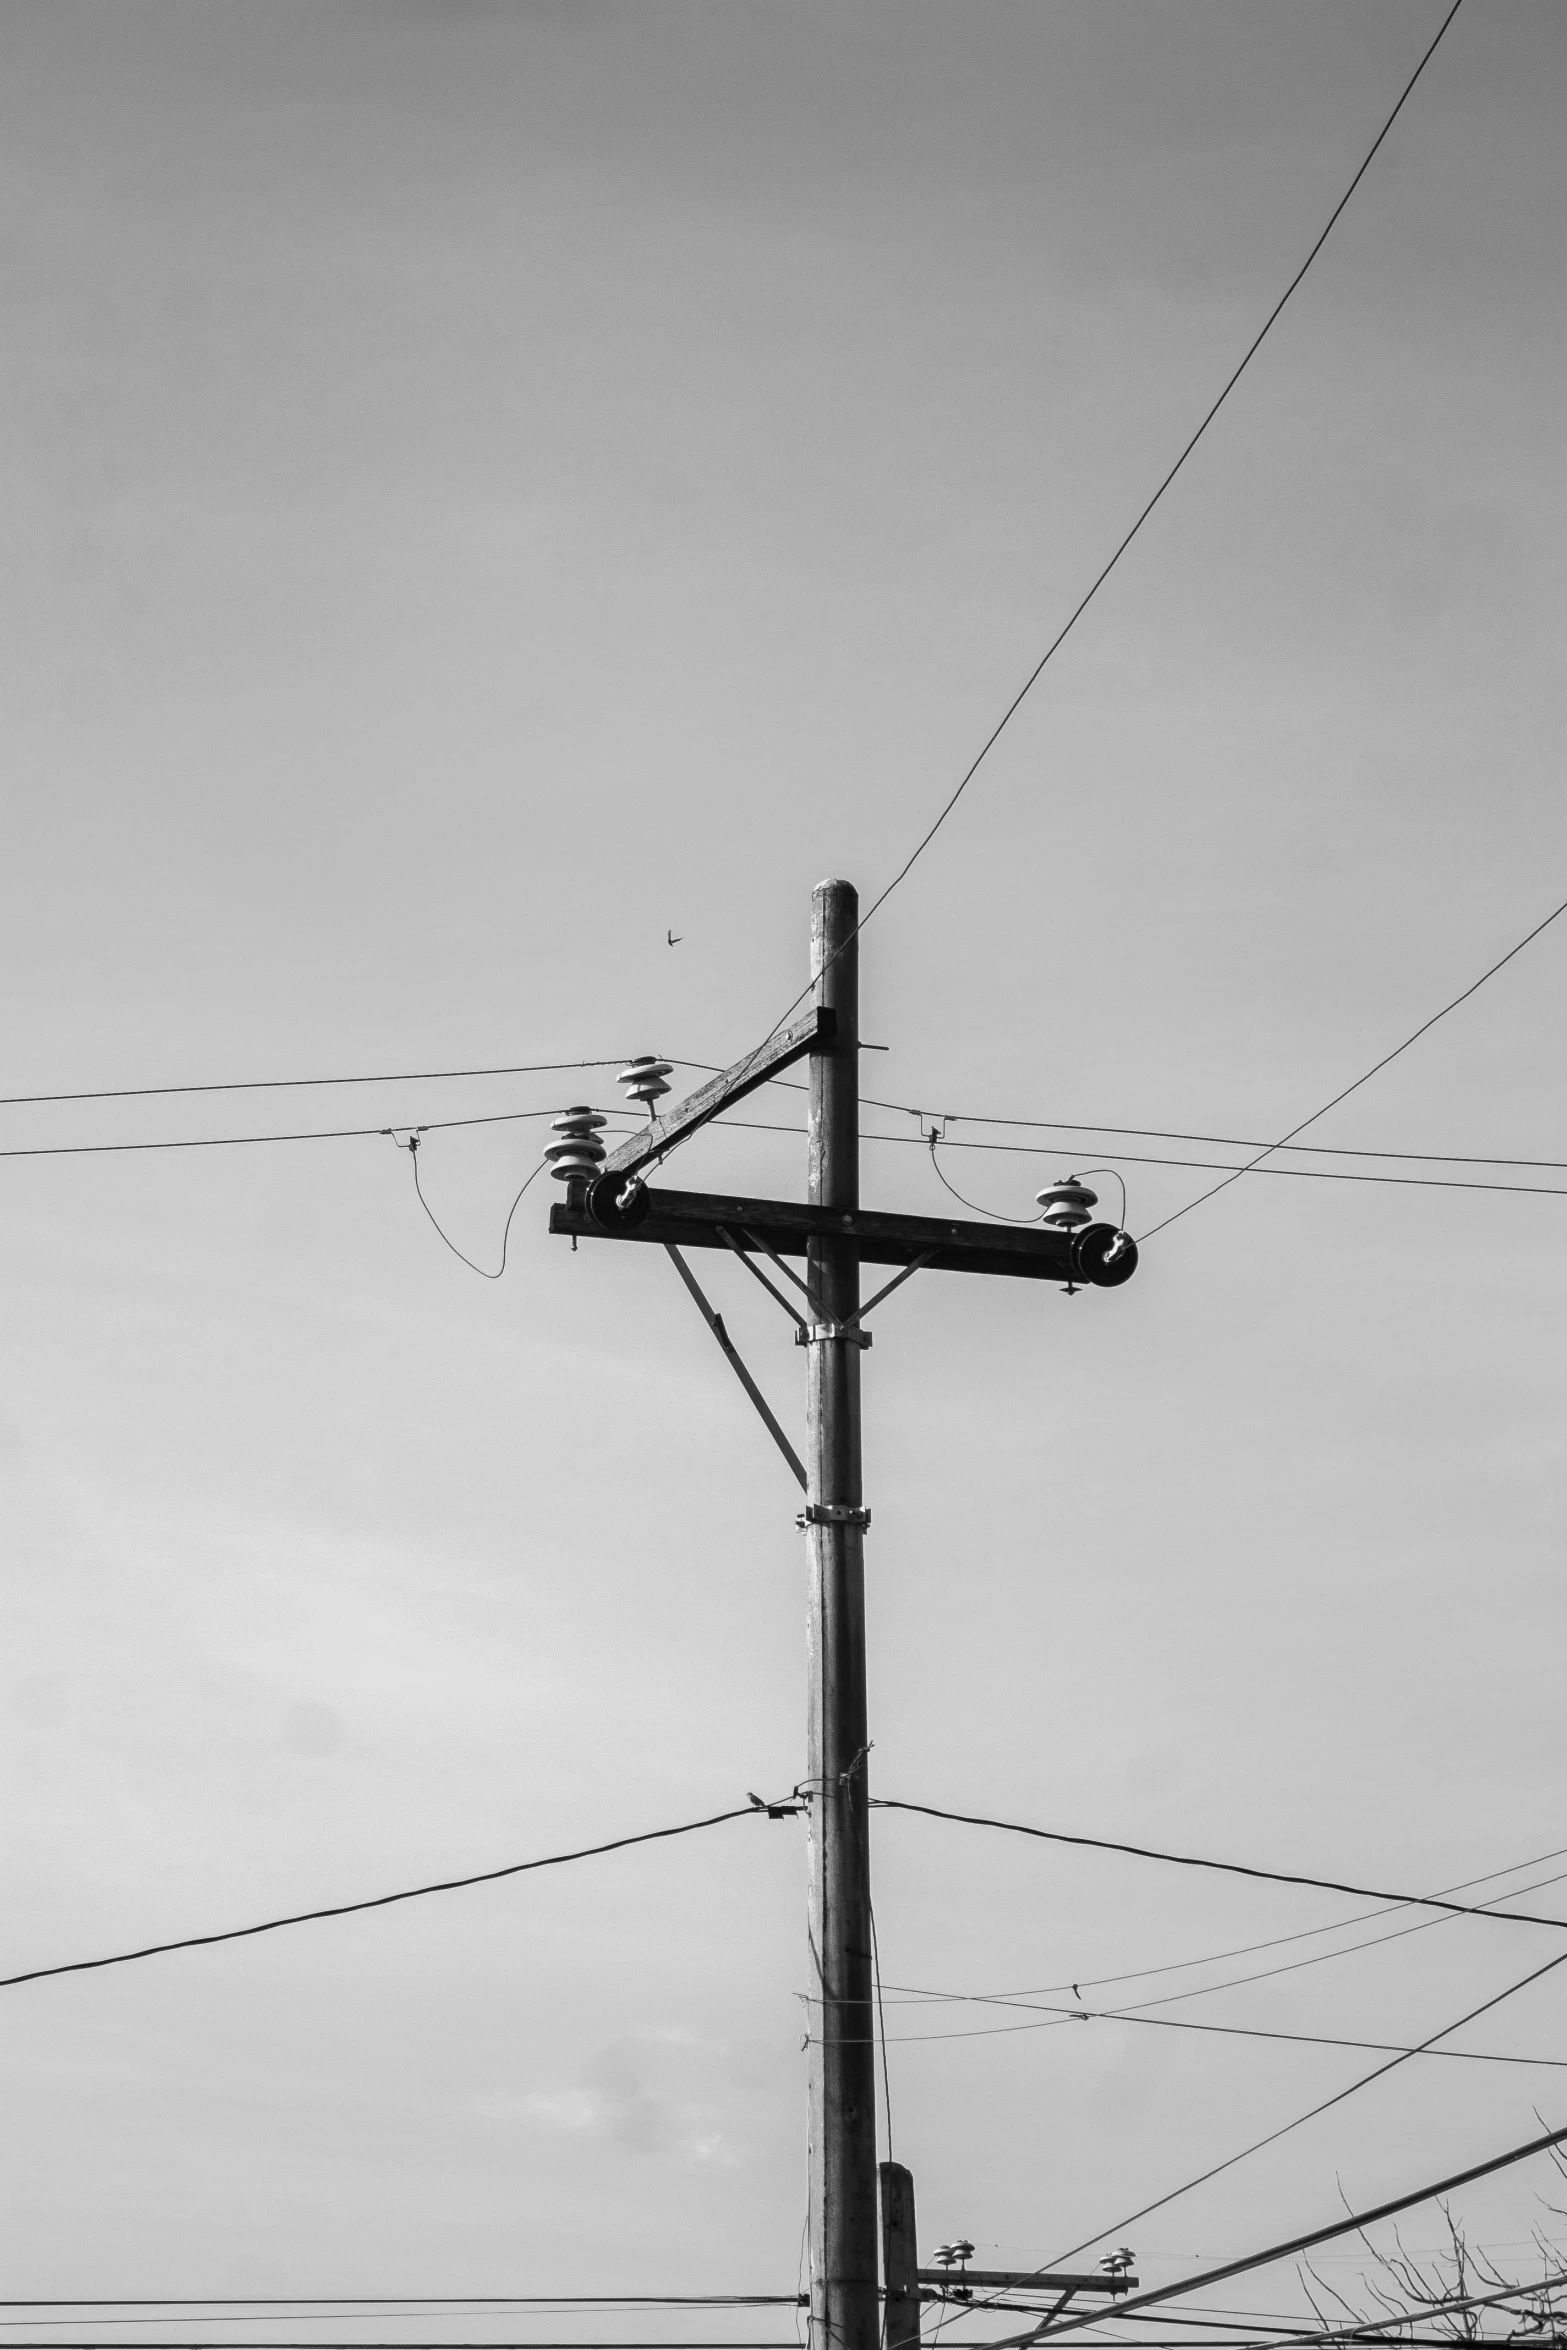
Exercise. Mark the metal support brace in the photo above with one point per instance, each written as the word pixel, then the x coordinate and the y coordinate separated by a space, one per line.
pixel 910 1269
pixel 761 1241
pixel 715 1323
pixel 755 1270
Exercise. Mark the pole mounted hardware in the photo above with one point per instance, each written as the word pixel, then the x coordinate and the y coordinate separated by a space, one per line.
pixel 702 1219
pixel 645 1079
pixel 960 2282
pixel 813 1034
pixel 830 1236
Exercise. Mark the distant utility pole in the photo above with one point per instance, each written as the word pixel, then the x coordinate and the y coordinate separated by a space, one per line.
pixel 607 1197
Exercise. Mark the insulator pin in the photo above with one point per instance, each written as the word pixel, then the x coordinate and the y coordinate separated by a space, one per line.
pixel 643 1078
pixel 1067 1204
pixel 579 1153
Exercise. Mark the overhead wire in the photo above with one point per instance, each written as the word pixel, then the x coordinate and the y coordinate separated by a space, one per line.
pixel 127 1093
pixel 343 1909
pixel 1355 2223
pixel 412 1148
pixel 1059 639
pixel 1171 2023
pixel 319 2301
pixel 207 1142
pixel 1339 2097
pixel 953 1142
pixel 1366 1076
pixel 1231 1868
pixel 1247 1949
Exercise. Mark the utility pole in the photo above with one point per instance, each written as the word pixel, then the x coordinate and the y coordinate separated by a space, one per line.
pixel 842 2072
pixel 608 1198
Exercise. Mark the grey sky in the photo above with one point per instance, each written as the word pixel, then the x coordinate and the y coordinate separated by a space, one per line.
pixel 485 485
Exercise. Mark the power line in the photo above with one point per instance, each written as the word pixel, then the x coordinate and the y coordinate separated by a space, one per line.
pixel 412 1148
pixel 211 1142
pixel 1324 1150
pixel 1357 2221
pixel 128 1093
pixel 1147 1159
pixel 1376 1066
pixel 343 1909
pixel 1338 2098
pixel 1172 2023
pixel 1245 1949
pixel 1232 1868
pixel 1081 607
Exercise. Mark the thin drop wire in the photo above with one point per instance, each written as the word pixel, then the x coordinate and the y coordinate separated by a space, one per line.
pixel 412 1148
pixel 1115 1176
pixel 993 1214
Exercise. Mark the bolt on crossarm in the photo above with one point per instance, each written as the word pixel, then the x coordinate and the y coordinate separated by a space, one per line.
pixel 843 2199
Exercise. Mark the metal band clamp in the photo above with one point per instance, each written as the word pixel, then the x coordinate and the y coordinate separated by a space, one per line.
pixel 816 1333
pixel 832 1513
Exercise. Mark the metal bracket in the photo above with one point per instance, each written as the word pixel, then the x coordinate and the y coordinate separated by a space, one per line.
pixel 832 1513
pixel 817 1333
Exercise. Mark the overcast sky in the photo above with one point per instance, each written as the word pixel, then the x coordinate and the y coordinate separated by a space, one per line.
pixel 487 485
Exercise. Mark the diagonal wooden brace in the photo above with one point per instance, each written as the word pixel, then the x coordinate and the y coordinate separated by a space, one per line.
pixel 813 1034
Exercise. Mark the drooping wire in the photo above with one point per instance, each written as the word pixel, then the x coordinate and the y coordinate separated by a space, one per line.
pixel 973 1205
pixel 411 1146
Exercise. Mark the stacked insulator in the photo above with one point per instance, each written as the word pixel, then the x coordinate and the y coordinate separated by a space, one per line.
pixel 1067 1204
pixel 579 1154
pixel 644 1078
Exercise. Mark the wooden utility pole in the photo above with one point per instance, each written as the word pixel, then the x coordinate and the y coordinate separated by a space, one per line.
pixel 899 2258
pixel 608 1198
pixel 843 2222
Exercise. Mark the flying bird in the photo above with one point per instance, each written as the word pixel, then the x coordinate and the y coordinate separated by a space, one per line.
pixel 674 942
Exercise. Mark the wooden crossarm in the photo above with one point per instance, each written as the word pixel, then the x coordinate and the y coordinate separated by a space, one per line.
pixel 705 1219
